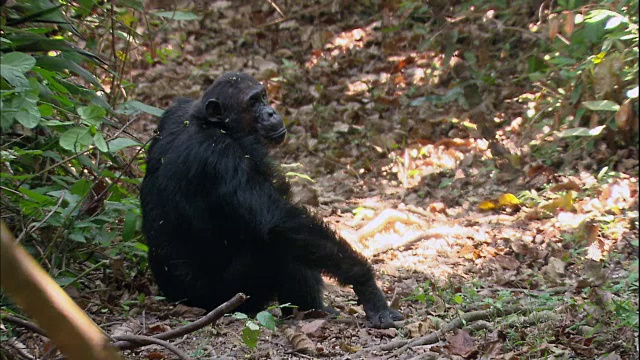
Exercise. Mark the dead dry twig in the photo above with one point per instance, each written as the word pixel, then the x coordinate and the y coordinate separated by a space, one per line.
pixel 142 340
pixel 208 319
pixel 401 346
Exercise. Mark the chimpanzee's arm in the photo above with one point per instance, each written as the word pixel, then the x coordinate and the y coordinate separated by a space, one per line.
pixel 312 243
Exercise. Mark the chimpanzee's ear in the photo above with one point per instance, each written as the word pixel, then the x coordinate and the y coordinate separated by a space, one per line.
pixel 214 111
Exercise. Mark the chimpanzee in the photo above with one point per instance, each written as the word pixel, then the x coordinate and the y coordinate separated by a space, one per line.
pixel 217 215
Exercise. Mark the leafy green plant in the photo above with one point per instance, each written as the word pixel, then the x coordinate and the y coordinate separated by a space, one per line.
pixel 590 72
pixel 66 181
pixel 251 329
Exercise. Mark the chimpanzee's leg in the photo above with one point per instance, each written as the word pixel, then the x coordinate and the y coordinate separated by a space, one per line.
pixel 247 275
pixel 302 287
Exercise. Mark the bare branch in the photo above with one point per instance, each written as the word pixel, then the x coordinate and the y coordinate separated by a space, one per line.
pixel 208 319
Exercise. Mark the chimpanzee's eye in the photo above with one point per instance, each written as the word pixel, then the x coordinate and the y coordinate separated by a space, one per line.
pixel 259 97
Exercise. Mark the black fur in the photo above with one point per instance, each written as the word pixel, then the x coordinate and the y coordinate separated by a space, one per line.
pixel 217 215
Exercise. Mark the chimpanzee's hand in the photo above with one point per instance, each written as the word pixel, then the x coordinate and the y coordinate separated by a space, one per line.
pixel 382 318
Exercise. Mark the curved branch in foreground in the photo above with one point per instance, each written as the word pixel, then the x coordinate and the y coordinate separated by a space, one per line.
pixel 208 319
pixel 70 328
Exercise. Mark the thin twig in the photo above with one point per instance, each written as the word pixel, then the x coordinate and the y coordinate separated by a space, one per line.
pixel 291 17
pixel 434 337
pixel 114 54
pixel 23 324
pixel 15 192
pixel 100 264
pixel 275 6
pixel 128 342
pixel 90 148
pixel 149 340
pixel 61 228
pixel 133 158
pixel 31 228
pixel 4 146
pixel 208 319
pixel 12 345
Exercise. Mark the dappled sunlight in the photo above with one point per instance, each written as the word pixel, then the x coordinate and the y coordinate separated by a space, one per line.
pixel 397 67
pixel 341 43
pixel 402 71
pixel 570 220
pixel 416 161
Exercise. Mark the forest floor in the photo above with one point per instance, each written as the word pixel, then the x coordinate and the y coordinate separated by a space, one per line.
pixel 420 180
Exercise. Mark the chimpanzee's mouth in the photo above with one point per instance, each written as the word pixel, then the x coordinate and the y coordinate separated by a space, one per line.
pixel 278 136
pixel 278 133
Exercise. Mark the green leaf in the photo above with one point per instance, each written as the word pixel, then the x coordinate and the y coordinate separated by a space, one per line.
pixel 19 61
pixel 458 299
pixel 613 22
pixel 470 57
pixel 28 118
pixel 134 106
pixel 561 61
pixel 45 110
pixel 13 76
pixel 134 4
pixel 536 64
pixel 601 14
pixel 64 280
pixel 100 143
pixel 176 15
pixel 81 187
pixel 140 246
pixel 37 197
pixel 581 131
pixel 28 114
pixel 92 114
pixel 303 176
pixel 14 65
pixel 58 123
pixel 266 319
pixel 76 139
pixel 31 43
pixel 59 64
pixel 129 229
pixel 240 316
pixel 76 236
pixel 121 143
pixel 250 336
pixel 601 105
pixel 105 237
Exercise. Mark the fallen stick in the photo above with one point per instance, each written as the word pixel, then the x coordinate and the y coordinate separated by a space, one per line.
pixel 434 337
pixel 208 319
pixel 23 324
pixel 128 342
pixel 150 340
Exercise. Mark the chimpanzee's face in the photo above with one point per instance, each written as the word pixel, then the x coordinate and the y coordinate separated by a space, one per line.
pixel 239 103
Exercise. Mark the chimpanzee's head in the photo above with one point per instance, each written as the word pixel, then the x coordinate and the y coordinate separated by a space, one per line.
pixel 236 102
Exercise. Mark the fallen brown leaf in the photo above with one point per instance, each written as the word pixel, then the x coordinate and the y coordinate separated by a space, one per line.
pixel 313 328
pixel 300 342
pixel 461 343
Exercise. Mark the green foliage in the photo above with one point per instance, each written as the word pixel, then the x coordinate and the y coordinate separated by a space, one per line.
pixel 590 70
pixel 251 329
pixel 66 183
pixel 176 15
